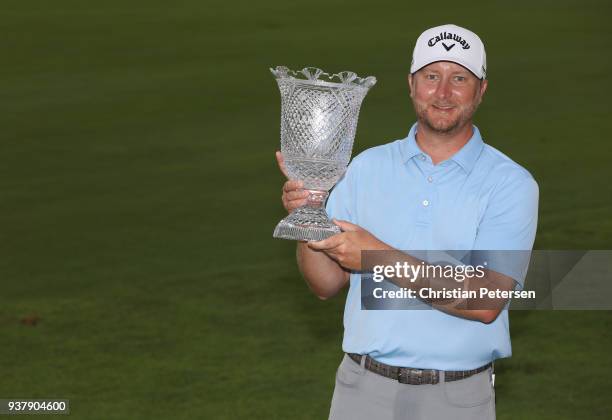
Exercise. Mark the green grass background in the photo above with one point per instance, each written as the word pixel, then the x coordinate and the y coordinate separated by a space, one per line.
pixel 138 193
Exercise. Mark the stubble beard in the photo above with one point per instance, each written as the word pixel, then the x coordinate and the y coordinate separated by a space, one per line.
pixel 443 126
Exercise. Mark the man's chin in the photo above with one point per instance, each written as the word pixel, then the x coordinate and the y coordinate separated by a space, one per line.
pixel 441 126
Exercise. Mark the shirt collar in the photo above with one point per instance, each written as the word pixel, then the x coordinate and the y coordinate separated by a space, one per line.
pixel 409 146
pixel 466 157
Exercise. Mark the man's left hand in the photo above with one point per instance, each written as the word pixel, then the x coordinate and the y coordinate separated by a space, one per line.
pixel 346 247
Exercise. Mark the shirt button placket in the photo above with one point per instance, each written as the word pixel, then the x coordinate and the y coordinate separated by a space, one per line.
pixel 429 193
pixel 424 203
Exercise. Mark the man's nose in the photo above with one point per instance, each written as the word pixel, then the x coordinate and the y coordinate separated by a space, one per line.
pixel 444 89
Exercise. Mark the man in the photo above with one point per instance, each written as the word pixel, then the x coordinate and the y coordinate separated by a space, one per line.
pixel 441 188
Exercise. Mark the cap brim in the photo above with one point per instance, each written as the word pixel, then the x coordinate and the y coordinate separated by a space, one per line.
pixel 479 74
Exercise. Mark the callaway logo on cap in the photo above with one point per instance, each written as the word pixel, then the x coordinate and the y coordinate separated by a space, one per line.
pixel 450 43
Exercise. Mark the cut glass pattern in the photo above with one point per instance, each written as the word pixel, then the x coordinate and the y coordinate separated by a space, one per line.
pixel 319 115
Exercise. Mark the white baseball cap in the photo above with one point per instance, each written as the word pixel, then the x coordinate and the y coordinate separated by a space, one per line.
pixel 450 43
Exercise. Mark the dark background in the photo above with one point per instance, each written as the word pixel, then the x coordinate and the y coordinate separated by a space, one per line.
pixel 139 191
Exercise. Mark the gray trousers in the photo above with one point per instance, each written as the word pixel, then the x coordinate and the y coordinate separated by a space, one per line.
pixel 363 395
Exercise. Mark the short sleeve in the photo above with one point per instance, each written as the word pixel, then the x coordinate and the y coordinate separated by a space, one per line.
pixel 509 224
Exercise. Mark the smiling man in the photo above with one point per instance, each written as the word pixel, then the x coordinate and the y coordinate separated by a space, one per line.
pixel 440 188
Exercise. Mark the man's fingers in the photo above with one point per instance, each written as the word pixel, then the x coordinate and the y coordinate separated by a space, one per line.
pixel 346 226
pixel 326 244
pixel 293 196
pixel 281 163
pixel 296 195
pixel 292 186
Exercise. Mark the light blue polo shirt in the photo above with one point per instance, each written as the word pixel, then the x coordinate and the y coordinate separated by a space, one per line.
pixel 479 199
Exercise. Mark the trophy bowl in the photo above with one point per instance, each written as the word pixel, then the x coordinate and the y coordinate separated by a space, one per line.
pixel 319 115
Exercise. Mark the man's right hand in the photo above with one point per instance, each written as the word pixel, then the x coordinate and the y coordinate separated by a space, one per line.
pixel 293 194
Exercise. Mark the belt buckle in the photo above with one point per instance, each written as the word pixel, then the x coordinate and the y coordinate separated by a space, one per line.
pixel 409 376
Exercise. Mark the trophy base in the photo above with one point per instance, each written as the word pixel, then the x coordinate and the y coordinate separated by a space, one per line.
pixel 306 223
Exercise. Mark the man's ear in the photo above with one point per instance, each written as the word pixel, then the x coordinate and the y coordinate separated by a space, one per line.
pixel 483 87
pixel 410 81
pixel 481 90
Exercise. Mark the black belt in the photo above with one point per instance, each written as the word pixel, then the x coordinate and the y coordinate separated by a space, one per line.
pixel 413 376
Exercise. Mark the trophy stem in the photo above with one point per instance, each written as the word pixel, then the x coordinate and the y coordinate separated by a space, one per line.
pixel 309 222
pixel 316 198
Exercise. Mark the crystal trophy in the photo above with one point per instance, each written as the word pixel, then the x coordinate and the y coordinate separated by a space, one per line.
pixel 319 115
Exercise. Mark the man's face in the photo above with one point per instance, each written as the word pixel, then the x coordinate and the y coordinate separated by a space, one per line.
pixel 445 96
